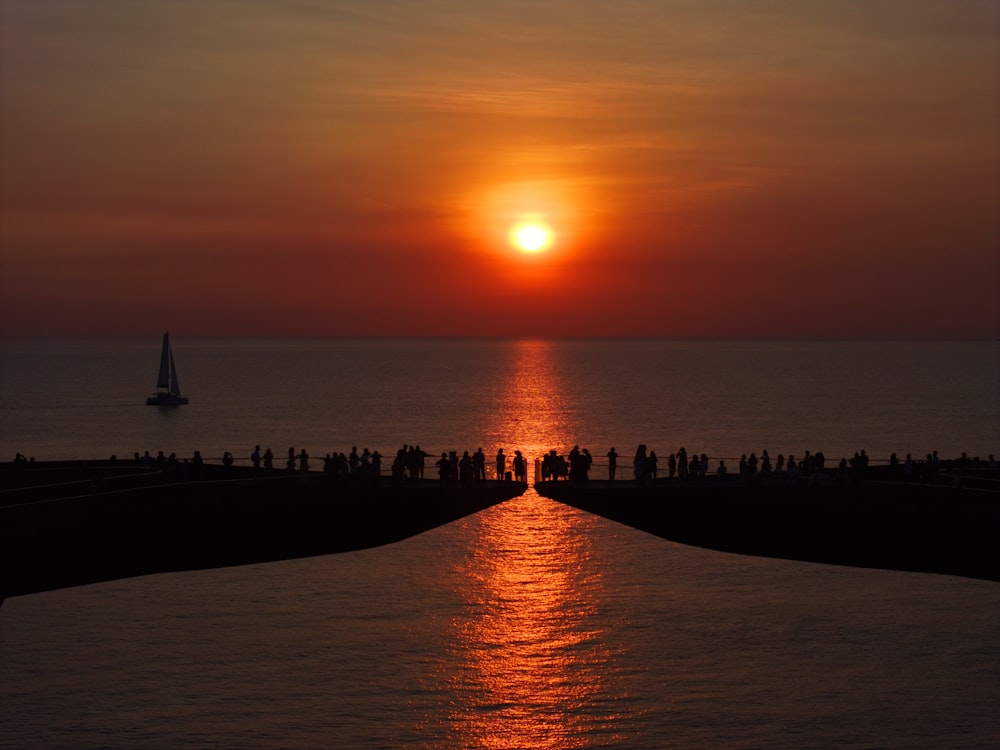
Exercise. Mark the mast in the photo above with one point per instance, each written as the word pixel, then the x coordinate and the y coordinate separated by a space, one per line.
pixel 163 381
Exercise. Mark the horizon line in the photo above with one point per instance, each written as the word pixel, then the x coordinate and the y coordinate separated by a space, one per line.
pixel 497 337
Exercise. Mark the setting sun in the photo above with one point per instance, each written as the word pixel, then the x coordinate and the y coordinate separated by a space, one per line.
pixel 531 237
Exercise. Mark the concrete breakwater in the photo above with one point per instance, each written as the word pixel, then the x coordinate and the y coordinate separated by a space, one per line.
pixel 930 528
pixel 72 523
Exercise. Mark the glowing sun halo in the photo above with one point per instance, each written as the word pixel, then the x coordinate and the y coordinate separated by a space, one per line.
pixel 531 237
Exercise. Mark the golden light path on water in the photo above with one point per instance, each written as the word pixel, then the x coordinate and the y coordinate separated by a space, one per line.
pixel 532 659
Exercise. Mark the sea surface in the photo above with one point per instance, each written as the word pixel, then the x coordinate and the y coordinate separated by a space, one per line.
pixel 531 624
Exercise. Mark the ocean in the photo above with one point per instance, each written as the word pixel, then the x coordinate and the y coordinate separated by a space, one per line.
pixel 531 624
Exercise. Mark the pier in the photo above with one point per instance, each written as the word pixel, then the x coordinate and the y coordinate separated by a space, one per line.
pixel 73 523
pixel 949 528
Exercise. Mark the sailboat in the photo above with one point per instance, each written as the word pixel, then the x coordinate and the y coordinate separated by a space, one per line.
pixel 169 393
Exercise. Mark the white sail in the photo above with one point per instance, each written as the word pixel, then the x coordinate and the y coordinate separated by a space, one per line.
pixel 166 363
pixel 175 387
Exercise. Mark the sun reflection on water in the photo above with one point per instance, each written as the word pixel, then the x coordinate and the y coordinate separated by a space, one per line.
pixel 532 413
pixel 532 659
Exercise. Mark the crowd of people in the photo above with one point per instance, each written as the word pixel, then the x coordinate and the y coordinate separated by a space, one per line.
pixel 409 463
pixel 680 465
pixel 470 467
pixel 574 468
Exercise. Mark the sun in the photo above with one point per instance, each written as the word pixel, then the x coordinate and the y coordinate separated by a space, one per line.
pixel 531 236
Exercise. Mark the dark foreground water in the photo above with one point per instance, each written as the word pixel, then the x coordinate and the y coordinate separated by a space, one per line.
pixel 528 625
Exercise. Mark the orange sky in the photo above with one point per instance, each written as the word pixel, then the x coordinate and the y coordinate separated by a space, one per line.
pixel 707 167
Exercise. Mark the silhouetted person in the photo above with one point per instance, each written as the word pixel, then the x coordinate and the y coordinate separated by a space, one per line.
pixel 501 465
pixel 520 468
pixel 792 471
pixel 479 466
pixel 639 464
pixel 612 463
pixel 579 464
pixel 340 468
pixel 466 469
pixel 268 460
pixel 404 457
pixel 255 457
pixel 398 469
pixel 444 469
pixel 419 459
pixel 554 466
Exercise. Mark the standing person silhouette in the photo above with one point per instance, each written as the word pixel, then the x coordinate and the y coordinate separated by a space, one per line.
pixel 520 468
pixel 444 469
pixel 612 463
pixel 479 466
pixel 639 464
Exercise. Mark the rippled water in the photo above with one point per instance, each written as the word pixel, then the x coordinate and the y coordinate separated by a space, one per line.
pixel 530 624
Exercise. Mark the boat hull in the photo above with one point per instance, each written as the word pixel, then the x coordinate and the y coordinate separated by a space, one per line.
pixel 166 399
